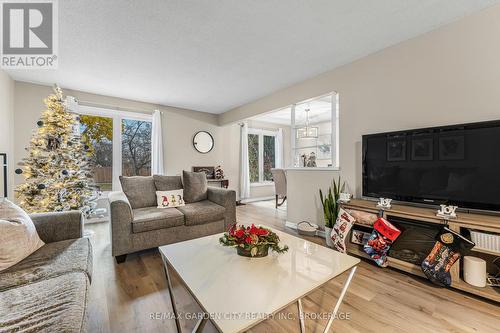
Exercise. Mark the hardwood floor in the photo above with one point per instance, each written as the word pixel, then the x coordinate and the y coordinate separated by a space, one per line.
pixel 133 297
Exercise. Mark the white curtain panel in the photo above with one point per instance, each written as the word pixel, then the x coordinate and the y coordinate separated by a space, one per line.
pixel 156 145
pixel 245 170
pixel 278 149
pixel 71 104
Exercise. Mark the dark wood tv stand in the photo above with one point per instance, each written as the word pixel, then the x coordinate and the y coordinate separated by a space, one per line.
pixel 463 221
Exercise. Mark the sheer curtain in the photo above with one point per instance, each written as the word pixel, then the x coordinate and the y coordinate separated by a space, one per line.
pixel 156 145
pixel 278 149
pixel 245 170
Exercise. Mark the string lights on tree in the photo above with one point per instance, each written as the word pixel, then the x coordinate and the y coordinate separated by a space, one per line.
pixel 57 170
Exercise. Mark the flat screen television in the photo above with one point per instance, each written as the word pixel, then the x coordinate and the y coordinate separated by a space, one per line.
pixel 458 165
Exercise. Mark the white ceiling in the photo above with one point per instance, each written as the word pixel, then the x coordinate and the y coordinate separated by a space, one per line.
pixel 278 117
pixel 214 55
pixel 320 110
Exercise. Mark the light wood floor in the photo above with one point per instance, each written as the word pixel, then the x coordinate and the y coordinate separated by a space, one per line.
pixel 123 297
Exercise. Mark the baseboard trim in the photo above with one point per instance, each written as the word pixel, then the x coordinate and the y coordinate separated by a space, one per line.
pixel 256 199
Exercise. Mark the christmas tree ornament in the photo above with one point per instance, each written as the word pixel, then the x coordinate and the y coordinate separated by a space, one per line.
pixel 383 235
pixel 39 123
pixel 447 250
pixel 56 149
pixel 341 228
pixel 53 142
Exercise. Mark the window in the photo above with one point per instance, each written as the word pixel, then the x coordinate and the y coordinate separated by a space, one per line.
pixel 269 160
pixel 261 155
pixel 136 148
pixel 97 133
pixel 120 144
pixel 253 157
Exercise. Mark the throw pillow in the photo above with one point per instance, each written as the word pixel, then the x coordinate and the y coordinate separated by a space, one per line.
pixel 168 199
pixel 140 191
pixel 195 186
pixel 18 236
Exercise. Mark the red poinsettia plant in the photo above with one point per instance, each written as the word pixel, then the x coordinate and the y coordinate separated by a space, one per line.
pixel 254 239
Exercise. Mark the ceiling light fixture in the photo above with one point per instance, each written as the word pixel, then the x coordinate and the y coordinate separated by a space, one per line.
pixel 307 132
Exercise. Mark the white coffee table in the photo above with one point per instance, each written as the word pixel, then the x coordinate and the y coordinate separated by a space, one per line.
pixel 215 275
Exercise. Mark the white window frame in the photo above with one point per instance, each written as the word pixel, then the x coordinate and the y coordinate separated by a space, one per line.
pixel 261 133
pixel 117 116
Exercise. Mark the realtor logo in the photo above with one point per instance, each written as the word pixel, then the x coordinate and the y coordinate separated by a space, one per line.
pixel 29 34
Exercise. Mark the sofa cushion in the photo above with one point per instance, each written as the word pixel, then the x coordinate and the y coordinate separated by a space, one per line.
pixel 140 191
pixel 167 183
pixel 54 305
pixel 152 218
pixel 195 186
pixel 52 259
pixel 202 212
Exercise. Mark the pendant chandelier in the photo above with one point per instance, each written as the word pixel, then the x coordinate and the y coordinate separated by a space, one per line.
pixel 307 132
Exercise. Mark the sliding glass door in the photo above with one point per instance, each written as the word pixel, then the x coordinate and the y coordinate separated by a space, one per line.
pixel 136 147
pixel 119 143
pixel 97 133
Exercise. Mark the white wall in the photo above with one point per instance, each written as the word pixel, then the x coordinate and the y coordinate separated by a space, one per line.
pixel 303 199
pixel 6 127
pixel 447 76
pixel 179 126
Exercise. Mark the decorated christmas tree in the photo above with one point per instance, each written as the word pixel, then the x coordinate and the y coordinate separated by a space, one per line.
pixel 57 169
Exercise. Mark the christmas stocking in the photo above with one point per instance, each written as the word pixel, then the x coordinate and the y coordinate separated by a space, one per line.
pixel 341 228
pixel 448 248
pixel 383 235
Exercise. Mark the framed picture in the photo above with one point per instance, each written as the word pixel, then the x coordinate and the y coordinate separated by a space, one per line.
pixel 422 148
pixel 210 171
pixel 396 149
pixel 359 237
pixel 451 147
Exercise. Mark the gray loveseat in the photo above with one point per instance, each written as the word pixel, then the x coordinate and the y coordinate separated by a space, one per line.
pixel 137 224
pixel 48 291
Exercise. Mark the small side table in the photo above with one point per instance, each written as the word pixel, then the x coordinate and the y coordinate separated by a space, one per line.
pixel 224 183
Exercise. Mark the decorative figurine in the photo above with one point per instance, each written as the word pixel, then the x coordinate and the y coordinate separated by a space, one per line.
pixel 384 203
pixel 447 212
pixel 311 160
pixel 219 173
pixel 345 197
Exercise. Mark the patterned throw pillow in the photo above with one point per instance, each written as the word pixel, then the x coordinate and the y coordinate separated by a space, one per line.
pixel 169 199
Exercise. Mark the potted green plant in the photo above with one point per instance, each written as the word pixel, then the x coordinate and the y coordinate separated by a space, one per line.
pixel 331 207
